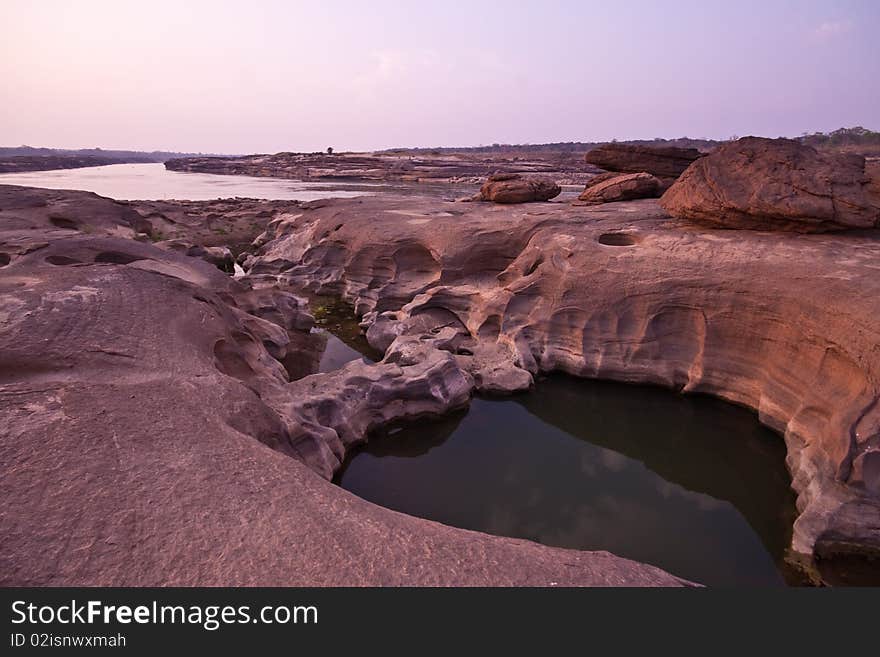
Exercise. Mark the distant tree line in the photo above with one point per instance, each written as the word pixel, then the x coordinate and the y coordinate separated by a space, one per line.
pixel 842 137
pixel 120 155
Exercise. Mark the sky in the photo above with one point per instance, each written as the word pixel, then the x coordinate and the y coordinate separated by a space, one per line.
pixel 267 76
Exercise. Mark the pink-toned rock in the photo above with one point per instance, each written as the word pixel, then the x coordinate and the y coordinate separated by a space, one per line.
pixel 514 188
pixel 621 187
pixel 774 184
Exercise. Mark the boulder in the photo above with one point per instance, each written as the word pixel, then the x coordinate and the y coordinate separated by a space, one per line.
pixel 775 184
pixel 622 187
pixel 663 162
pixel 514 188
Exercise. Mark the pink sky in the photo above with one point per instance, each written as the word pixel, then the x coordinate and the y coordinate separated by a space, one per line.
pixel 263 76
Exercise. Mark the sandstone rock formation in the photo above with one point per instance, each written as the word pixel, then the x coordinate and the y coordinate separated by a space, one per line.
pixel 153 434
pixel 621 187
pixel 150 435
pixel 622 292
pixel 775 184
pixel 665 162
pixel 514 188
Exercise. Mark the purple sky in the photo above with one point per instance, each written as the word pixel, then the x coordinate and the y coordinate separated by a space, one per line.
pixel 260 76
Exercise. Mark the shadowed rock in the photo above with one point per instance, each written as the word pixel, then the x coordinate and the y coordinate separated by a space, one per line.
pixel 775 184
pixel 662 161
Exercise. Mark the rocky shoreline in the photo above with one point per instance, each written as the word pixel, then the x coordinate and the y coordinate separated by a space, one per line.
pixel 24 163
pixel 152 418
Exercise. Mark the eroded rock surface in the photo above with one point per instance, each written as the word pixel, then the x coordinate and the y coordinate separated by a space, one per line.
pixel 785 325
pixel 151 436
pixel 775 184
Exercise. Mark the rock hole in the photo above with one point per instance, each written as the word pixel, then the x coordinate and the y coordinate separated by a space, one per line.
pixel 461 351
pixel 116 258
pixel 230 360
pixel 63 222
pixel 490 329
pixel 617 239
pixel 62 260
pixel 4 259
pixel 535 265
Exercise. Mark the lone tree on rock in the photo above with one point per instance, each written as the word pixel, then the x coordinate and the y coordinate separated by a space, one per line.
pixel 329 150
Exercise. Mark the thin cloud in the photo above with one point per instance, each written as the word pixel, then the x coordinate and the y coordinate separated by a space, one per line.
pixel 830 30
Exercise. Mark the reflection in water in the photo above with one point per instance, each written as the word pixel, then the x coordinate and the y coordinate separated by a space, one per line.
pixel 154 182
pixel 691 484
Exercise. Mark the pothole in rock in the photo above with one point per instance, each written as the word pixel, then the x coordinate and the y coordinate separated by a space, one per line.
pixel 116 258
pixel 691 484
pixel 61 261
pixel 5 259
pixel 617 239
pixel 335 340
pixel 63 222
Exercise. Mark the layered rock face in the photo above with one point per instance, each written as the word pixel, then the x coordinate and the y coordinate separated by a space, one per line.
pixel 622 292
pixel 625 187
pixel 665 162
pixel 151 435
pixel 454 168
pixel 775 184
pixel 514 188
